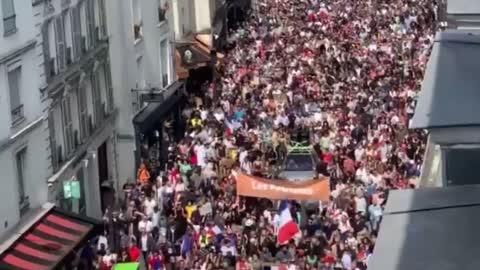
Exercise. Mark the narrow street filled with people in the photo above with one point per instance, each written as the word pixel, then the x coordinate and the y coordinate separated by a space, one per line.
pixel 339 77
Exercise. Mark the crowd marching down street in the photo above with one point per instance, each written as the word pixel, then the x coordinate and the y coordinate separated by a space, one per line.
pixel 342 75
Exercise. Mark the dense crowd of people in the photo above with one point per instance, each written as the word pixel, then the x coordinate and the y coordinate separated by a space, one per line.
pixel 340 74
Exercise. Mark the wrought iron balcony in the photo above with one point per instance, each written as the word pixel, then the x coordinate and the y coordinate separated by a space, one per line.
pixel 17 114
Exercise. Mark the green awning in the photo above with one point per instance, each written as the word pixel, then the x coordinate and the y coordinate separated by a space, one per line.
pixel 127 266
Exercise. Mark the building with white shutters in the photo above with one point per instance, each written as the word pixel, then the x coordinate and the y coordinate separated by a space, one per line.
pixel 23 152
pixel 141 52
pixel 81 112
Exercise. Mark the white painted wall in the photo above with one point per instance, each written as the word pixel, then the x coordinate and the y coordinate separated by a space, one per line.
pixel 124 52
pixel 29 93
pixel 34 175
pixel 192 16
pixel 203 15
pixel 25 27
pixel 13 139
pixel 68 169
pixel 184 17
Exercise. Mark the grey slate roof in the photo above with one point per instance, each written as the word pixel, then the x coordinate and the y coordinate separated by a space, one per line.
pixel 463 7
pixel 450 94
pixel 428 198
pixel 443 238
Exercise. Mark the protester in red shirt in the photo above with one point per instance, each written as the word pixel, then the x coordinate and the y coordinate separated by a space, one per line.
pixel 134 252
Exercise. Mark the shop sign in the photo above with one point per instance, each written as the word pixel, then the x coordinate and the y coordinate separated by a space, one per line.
pixel 71 189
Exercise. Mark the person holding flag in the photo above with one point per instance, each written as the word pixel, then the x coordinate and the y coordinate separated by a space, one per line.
pixel 287 228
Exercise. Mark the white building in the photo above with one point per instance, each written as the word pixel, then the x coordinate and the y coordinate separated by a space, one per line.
pixel 141 58
pixel 192 16
pixel 23 153
pixel 81 113
pixel 461 14
pixel 448 108
pixel 416 222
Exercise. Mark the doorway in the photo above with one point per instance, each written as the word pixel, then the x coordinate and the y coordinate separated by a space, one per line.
pixel 106 191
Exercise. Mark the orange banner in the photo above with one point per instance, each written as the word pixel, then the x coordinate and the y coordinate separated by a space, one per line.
pixel 250 186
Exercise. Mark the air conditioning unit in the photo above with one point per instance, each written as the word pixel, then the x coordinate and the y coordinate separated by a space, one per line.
pixel 51 67
pixel 69 56
pixel 83 44
pixel 59 154
pixel 76 138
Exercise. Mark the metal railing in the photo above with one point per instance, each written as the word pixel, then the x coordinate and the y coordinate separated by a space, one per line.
pixel 17 114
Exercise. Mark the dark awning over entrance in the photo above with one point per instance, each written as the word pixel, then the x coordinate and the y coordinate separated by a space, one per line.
pixel 149 116
pixel 243 4
pixel 45 244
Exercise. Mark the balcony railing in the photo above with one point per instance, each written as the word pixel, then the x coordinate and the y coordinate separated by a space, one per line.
pixel 17 114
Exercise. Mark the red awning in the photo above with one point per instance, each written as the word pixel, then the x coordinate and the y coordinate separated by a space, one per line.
pixel 45 245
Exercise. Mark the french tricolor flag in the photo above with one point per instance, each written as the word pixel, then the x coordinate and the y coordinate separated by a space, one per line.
pixel 287 228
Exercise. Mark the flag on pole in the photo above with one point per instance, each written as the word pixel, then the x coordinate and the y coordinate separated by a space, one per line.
pixel 287 228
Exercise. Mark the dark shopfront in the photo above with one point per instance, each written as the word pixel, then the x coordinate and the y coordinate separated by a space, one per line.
pixel 227 16
pixel 197 62
pixel 159 123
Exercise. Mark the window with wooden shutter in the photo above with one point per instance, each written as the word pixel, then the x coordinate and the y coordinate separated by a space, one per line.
pixel 53 141
pixel 83 19
pixel 46 51
pixel 9 17
pixel 108 79
pixel 60 40
pixel 73 23
pixel 103 18
pixel 97 114
pixel 78 32
pixel 20 162
pixel 82 112
pixel 90 23
pixel 16 106
pixel 164 62
pixel 68 124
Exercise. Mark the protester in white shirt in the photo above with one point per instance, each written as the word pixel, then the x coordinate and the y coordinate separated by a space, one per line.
pixel 149 204
pixel 145 225
pixel 201 155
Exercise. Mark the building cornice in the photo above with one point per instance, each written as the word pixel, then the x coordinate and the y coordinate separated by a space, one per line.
pixel 37 2
pixel 18 51
pixel 20 134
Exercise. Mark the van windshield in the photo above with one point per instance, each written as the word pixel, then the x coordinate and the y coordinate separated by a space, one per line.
pixel 299 162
